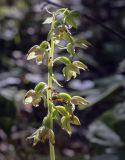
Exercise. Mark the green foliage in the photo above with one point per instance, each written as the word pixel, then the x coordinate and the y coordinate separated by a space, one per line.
pixel 61 106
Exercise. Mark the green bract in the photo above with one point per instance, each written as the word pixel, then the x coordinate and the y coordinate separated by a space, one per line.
pixel 60 105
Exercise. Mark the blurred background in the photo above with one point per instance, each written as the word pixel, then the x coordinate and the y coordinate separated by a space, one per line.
pixel 102 132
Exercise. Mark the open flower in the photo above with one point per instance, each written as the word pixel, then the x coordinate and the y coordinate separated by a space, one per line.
pixel 38 52
pixel 32 97
pixel 72 69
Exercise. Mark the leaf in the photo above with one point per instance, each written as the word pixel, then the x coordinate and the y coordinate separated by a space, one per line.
pixel 80 65
pixel 70 108
pixel 46 121
pixel 63 59
pixel 70 20
pixel 70 49
pixel 64 96
pixel 67 37
pixel 62 110
pixel 75 14
pixel 54 79
pixel 48 20
pixel 50 34
pixel 40 87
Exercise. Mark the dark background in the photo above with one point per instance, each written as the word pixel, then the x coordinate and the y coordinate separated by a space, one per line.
pixel 102 131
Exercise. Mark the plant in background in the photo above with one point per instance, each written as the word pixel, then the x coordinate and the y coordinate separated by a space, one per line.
pixel 61 106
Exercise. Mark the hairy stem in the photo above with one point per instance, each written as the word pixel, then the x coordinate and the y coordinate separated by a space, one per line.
pixel 49 92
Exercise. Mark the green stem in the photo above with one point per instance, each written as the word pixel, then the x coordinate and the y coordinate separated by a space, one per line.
pixel 49 92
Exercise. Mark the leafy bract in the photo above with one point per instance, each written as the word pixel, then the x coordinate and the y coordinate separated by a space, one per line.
pixel 63 59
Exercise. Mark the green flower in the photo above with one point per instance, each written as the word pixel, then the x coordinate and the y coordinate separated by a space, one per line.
pixel 38 52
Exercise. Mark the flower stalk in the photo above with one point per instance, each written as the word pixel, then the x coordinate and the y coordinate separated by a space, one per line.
pixel 49 91
pixel 60 105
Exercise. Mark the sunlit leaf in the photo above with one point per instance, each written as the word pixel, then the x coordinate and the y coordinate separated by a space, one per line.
pixel 40 87
pixel 65 96
pixel 62 110
pixel 63 59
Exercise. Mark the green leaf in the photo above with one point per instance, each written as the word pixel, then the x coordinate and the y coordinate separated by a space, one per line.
pixel 62 110
pixel 50 34
pixel 48 20
pixel 70 49
pixel 70 20
pixel 40 87
pixel 56 116
pixel 63 59
pixel 75 14
pixel 67 36
pixel 70 108
pixel 65 96
pixel 80 65
pixel 55 80
pixel 46 121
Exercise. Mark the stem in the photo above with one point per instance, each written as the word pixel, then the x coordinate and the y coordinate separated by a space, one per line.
pixel 49 92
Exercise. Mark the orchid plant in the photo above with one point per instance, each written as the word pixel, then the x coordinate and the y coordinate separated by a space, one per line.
pixel 60 105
